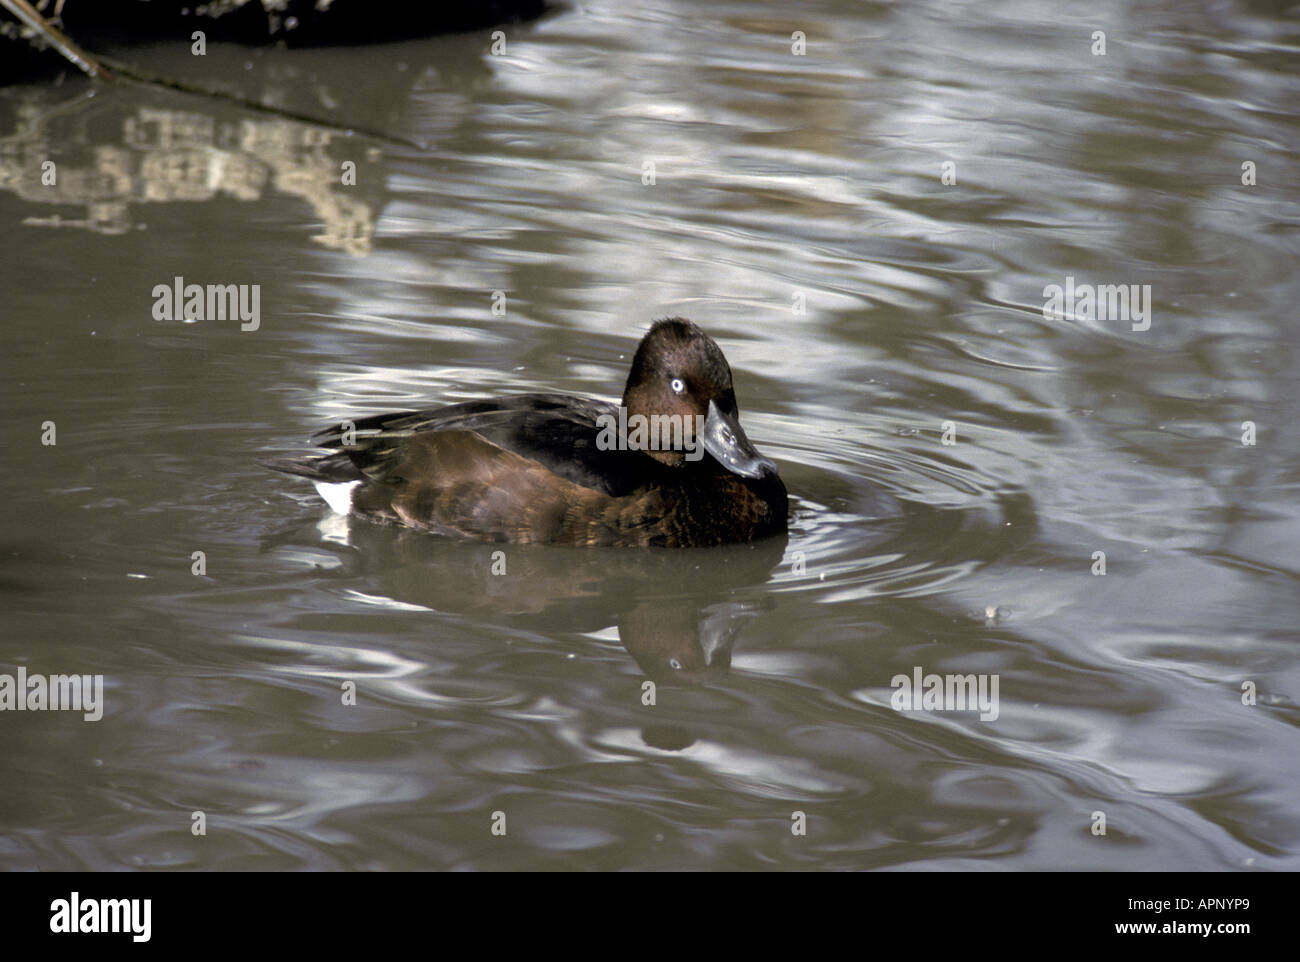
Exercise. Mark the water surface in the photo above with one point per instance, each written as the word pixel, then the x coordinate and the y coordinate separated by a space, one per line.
pixel 870 312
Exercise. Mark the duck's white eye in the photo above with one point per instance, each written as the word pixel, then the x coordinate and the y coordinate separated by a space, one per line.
pixel 678 385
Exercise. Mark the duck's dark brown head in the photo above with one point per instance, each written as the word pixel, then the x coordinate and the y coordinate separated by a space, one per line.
pixel 680 371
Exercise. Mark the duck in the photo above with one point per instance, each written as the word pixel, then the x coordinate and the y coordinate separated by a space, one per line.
pixel 668 467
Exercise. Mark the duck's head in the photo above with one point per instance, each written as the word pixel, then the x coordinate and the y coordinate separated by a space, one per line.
pixel 680 371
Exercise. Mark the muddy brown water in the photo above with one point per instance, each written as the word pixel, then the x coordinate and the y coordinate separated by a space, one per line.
pixel 871 312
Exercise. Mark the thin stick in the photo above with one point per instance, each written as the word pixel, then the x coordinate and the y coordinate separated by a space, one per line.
pixel 131 74
pixel 24 12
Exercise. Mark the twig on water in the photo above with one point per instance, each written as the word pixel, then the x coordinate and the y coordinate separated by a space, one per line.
pixel 74 54
pixel 25 12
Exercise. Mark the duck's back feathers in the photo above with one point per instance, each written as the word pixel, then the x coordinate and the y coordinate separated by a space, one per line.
pixel 555 430
pixel 519 469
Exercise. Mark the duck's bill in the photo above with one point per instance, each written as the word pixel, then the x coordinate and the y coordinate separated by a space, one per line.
pixel 726 442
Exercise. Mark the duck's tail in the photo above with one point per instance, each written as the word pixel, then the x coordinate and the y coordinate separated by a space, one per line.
pixel 331 468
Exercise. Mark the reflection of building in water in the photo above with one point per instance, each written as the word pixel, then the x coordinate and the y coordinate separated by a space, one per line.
pixel 177 156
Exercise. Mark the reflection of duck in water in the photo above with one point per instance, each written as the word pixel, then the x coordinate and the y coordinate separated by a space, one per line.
pixel 551 468
pixel 678 613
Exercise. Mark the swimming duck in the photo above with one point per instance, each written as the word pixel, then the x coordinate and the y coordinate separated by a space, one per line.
pixel 670 467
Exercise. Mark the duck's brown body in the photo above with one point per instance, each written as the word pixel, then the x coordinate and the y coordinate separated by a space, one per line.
pixel 531 468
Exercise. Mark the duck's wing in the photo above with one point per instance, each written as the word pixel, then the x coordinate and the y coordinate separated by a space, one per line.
pixel 558 432
pixel 457 482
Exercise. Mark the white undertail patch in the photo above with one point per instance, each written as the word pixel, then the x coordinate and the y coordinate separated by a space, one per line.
pixel 337 494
